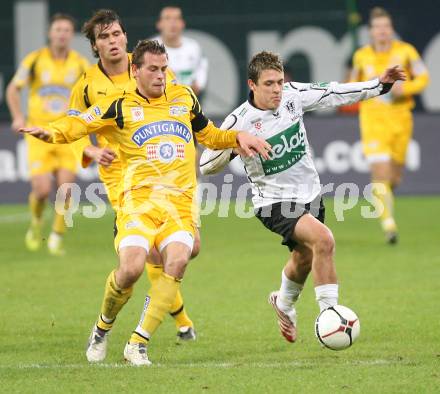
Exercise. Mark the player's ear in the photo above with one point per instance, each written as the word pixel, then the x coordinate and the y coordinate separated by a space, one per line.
pixel 134 70
pixel 251 84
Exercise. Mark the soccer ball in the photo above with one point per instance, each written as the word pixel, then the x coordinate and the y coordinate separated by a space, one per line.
pixel 337 327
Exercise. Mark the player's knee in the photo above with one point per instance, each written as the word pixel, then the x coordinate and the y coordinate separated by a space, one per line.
pixel 129 274
pixel 325 244
pixel 176 266
pixel 41 192
pixel 131 266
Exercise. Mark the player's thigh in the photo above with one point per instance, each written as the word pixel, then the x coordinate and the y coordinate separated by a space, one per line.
pixel 396 173
pixel 41 159
pixel 376 137
pixel 197 243
pixel 314 235
pixel 131 264
pixel 402 136
pixel 65 158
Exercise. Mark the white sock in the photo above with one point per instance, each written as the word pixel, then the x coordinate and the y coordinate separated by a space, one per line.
pixel 289 292
pixel 327 295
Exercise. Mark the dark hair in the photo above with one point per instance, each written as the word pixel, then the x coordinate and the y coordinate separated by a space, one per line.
pixel 103 18
pixel 143 46
pixel 264 61
pixel 173 6
pixel 379 12
pixel 62 17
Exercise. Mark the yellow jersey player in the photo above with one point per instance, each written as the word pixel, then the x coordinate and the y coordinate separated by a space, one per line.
pixel 50 74
pixel 154 128
pixel 386 121
pixel 112 75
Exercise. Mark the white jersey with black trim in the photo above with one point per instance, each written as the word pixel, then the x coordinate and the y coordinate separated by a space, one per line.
pixel 289 174
pixel 188 63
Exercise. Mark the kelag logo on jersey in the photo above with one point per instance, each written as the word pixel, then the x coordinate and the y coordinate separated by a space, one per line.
pixel 157 129
pixel 288 147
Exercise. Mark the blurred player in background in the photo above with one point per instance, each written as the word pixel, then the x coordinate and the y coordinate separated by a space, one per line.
pixel 185 55
pixel 386 122
pixel 50 74
pixel 112 74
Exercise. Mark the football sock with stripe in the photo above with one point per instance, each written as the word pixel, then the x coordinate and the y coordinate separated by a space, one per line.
pixel 114 299
pixel 177 310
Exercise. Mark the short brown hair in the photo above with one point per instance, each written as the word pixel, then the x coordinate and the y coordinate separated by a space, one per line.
pixel 102 18
pixel 143 46
pixel 264 61
pixel 62 17
pixel 379 12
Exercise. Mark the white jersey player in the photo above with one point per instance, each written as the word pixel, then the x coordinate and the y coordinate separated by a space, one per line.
pixel 184 54
pixel 286 187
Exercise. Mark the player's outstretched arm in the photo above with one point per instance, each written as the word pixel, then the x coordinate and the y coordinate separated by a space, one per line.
pixel 333 94
pixel 37 132
pixel 392 74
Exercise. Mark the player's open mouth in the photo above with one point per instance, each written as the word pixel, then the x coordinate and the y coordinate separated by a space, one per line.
pixel 114 50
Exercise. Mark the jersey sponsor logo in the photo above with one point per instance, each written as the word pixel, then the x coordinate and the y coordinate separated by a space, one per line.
pixel 288 147
pixel 54 90
pixel 166 152
pixel 88 117
pixel 320 85
pixel 55 105
pixel 97 111
pixel 73 112
pixel 178 110
pixel 137 113
pixel 157 129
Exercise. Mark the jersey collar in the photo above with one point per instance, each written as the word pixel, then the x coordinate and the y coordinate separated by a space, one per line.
pixel 100 66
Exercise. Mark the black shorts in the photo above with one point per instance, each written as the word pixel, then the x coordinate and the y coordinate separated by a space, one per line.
pixel 281 218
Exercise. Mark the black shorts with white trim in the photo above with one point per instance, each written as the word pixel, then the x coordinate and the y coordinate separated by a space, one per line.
pixel 282 217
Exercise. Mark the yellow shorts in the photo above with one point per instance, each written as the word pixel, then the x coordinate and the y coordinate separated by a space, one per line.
pixel 44 158
pixel 148 222
pixel 110 176
pixel 386 135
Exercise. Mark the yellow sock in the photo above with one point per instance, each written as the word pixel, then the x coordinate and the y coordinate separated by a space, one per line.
pixel 59 225
pixel 384 197
pixel 114 299
pixel 177 310
pixel 37 207
pixel 157 305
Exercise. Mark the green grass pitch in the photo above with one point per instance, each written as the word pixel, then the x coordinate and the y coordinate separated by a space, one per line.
pixel 48 306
